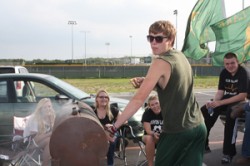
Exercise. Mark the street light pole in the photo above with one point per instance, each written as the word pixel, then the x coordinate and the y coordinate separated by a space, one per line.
pixel 107 44
pixel 72 42
pixel 176 13
pixel 131 48
pixel 85 48
pixel 243 6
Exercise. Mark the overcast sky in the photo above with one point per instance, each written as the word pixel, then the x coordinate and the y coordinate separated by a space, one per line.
pixel 39 29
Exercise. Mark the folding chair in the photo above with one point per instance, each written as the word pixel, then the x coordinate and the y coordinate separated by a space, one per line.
pixel 24 151
pixel 141 160
pixel 31 152
pixel 121 145
pixel 19 124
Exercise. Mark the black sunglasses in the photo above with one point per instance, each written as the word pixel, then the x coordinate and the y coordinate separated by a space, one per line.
pixel 103 97
pixel 158 39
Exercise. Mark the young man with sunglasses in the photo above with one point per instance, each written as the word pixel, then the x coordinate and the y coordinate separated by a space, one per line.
pixel 183 134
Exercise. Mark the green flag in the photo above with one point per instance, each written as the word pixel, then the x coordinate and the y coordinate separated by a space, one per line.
pixel 232 35
pixel 198 31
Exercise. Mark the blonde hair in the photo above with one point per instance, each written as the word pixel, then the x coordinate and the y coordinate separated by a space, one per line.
pixel 44 108
pixel 107 108
pixel 151 98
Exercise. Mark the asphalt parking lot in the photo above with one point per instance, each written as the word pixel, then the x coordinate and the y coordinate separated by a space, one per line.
pixel 216 137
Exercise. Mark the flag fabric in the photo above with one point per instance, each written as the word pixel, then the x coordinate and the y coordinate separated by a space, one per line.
pixel 232 35
pixel 198 31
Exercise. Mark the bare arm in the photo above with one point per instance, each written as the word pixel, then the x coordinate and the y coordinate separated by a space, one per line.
pixel 219 94
pixel 147 128
pixel 237 98
pixel 218 102
pixel 157 72
pixel 119 114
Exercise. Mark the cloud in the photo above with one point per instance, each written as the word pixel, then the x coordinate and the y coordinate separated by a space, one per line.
pixel 39 29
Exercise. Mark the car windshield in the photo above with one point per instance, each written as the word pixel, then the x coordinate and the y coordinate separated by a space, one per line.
pixel 79 94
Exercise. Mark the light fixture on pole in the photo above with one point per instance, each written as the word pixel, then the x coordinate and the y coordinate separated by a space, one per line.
pixel 107 44
pixel 176 13
pixel 131 48
pixel 85 48
pixel 72 23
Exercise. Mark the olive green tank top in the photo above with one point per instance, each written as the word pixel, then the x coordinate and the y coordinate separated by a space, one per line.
pixel 180 109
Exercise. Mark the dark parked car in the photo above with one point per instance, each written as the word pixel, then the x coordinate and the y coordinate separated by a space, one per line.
pixel 37 86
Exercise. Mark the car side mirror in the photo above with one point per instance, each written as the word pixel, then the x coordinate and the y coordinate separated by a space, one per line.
pixel 61 97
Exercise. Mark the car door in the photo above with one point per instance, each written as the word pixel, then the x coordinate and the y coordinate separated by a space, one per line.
pixel 6 109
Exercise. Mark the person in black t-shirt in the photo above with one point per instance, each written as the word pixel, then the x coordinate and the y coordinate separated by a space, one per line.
pixel 152 123
pixel 107 115
pixel 232 89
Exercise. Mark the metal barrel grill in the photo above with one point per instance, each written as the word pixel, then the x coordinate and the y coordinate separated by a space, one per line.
pixel 78 138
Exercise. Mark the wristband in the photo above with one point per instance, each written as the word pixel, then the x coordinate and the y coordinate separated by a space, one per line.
pixel 113 128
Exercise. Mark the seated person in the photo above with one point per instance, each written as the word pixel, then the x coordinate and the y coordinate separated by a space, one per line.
pixel 106 115
pixel 237 111
pixel 152 123
pixel 232 89
pixel 40 124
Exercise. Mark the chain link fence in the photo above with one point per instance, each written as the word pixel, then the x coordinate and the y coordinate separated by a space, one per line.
pixel 106 71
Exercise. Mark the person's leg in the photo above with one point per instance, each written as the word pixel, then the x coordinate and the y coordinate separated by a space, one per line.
pixel 41 140
pixel 185 148
pixel 245 151
pixel 230 135
pixel 46 158
pixel 209 120
pixel 110 154
pixel 43 143
pixel 149 148
pixel 195 151
pixel 246 139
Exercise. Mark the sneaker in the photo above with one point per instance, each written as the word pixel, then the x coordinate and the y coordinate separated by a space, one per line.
pixel 243 160
pixel 226 159
pixel 207 149
pixel 237 110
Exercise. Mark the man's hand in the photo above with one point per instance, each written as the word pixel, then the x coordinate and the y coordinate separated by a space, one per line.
pixel 137 81
pixel 110 137
pixel 110 132
pixel 214 104
pixel 156 135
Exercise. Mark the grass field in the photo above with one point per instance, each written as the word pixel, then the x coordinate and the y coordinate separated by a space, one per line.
pixel 123 84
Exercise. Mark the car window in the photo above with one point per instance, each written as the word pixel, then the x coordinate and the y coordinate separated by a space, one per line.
pixel 42 90
pixel 19 88
pixel 24 92
pixel 3 92
pixel 7 70
pixel 22 70
pixel 33 91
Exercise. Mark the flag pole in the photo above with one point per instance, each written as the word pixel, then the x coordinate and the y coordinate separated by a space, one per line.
pixel 176 13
